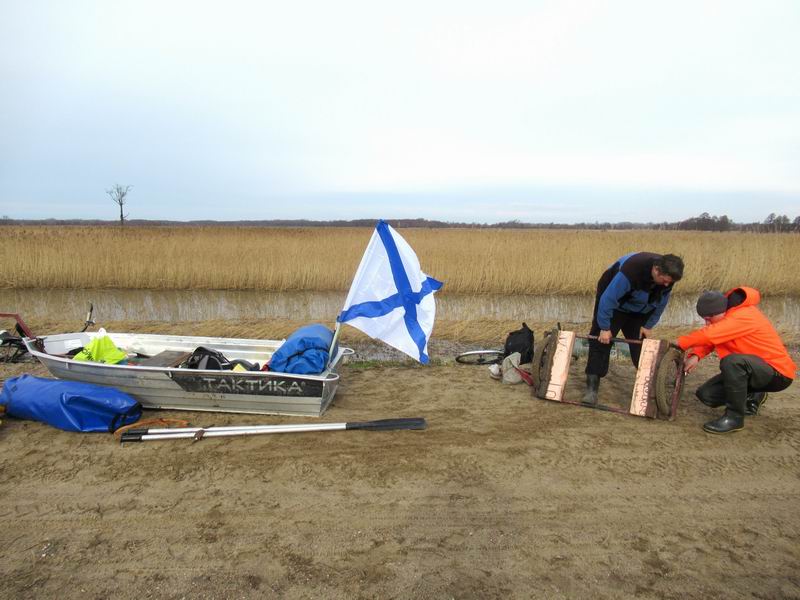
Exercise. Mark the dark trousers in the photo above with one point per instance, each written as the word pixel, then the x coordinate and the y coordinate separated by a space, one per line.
pixel 629 323
pixel 740 374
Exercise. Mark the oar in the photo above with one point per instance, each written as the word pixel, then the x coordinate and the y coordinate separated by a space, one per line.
pixel 142 435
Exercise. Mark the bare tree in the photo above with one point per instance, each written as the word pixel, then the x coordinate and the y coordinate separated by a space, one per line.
pixel 119 194
pixel 782 223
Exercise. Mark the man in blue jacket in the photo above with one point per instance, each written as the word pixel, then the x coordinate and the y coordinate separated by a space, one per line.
pixel 631 296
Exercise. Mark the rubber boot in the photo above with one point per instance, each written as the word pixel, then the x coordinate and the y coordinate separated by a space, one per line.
pixel 592 385
pixel 727 423
pixel 755 400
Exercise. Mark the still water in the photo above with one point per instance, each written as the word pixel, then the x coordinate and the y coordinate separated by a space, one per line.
pixel 148 305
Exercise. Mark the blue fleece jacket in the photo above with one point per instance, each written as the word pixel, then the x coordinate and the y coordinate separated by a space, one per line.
pixel 633 290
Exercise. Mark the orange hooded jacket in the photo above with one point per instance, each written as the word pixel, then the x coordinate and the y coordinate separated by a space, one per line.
pixel 743 330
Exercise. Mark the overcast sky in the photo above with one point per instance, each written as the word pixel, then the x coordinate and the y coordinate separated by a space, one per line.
pixel 485 111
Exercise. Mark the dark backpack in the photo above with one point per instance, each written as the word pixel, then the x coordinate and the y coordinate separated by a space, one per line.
pixel 207 359
pixel 520 341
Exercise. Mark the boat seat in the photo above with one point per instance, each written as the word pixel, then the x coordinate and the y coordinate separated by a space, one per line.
pixel 166 358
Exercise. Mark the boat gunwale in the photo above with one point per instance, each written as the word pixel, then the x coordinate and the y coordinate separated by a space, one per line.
pixel 330 376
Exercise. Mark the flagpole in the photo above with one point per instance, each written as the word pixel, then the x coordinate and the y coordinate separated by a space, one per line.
pixel 337 330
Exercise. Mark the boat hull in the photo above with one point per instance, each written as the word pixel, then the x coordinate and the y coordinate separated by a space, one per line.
pixel 255 392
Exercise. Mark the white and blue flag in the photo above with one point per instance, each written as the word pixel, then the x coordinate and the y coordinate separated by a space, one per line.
pixel 391 299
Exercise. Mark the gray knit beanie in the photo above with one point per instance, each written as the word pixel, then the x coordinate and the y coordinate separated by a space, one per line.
pixel 711 303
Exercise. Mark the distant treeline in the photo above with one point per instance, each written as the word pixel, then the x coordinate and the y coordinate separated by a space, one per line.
pixel 774 223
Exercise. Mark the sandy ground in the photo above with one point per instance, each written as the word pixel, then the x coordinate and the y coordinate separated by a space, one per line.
pixel 503 496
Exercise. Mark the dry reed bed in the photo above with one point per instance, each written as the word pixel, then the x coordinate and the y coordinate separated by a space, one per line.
pixel 470 261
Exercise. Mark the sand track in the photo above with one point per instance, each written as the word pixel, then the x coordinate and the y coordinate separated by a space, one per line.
pixel 504 496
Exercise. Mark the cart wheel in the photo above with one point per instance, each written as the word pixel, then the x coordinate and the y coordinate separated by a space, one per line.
pixel 480 357
pixel 543 363
pixel 669 382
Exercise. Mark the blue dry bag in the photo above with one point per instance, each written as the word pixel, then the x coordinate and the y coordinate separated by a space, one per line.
pixel 305 352
pixel 69 405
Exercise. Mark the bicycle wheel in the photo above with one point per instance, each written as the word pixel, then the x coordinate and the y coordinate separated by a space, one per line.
pixel 480 357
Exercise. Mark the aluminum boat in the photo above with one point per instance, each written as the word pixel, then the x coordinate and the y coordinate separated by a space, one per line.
pixel 153 373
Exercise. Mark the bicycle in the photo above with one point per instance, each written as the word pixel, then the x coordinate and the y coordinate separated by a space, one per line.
pixel 12 347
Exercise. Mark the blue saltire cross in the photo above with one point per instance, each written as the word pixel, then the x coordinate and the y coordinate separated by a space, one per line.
pixel 405 296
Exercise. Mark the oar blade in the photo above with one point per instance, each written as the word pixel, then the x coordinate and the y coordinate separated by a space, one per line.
pixel 389 424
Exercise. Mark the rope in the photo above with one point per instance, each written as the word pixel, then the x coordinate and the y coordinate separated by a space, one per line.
pixel 142 423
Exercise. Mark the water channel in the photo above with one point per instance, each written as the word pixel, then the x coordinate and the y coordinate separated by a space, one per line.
pixel 178 305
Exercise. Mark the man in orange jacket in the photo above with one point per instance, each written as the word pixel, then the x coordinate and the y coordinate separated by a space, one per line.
pixel 753 360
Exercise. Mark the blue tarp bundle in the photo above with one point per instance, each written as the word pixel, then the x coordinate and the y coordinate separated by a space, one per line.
pixel 69 405
pixel 305 352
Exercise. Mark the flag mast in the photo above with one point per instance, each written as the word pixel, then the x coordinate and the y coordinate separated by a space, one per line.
pixel 337 330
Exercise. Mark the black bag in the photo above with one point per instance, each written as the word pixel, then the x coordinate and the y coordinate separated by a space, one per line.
pixel 245 364
pixel 520 341
pixel 207 359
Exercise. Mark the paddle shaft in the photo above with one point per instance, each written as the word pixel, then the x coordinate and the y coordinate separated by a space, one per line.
pixel 204 433
pixel 282 428
pixel 138 435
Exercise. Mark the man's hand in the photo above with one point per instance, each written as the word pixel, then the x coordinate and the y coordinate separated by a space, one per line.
pixel 644 332
pixel 690 363
pixel 604 337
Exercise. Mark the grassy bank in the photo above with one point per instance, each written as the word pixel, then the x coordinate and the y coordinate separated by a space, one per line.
pixel 468 260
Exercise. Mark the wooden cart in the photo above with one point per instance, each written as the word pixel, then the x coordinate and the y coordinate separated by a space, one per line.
pixel 656 390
